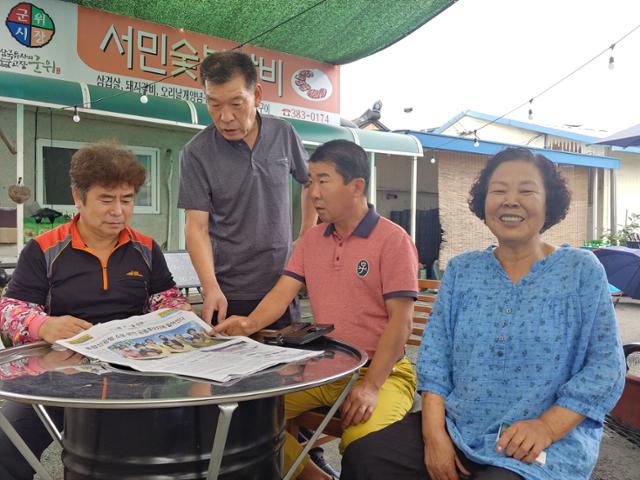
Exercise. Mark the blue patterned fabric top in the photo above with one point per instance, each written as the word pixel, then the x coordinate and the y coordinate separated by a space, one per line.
pixel 503 352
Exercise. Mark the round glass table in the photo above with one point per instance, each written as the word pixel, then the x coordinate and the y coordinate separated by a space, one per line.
pixel 120 423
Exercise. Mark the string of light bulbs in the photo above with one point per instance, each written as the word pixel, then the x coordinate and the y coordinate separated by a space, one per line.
pixel 611 66
pixel 143 89
pixel 144 98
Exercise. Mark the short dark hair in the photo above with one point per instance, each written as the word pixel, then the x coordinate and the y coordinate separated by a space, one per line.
pixel 558 196
pixel 350 160
pixel 107 164
pixel 220 67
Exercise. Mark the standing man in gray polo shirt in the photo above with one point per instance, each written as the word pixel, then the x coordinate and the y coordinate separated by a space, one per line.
pixel 234 187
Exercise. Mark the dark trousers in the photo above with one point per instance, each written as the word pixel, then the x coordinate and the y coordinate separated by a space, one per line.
pixel 26 422
pixel 245 307
pixel 397 452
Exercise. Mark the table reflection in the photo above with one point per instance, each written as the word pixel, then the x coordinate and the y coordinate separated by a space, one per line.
pixel 39 373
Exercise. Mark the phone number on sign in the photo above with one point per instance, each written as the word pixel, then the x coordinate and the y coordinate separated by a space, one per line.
pixel 304 115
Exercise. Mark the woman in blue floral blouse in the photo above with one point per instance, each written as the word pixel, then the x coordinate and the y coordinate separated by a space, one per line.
pixel 521 359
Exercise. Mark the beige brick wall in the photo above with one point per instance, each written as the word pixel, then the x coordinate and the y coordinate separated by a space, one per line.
pixel 463 231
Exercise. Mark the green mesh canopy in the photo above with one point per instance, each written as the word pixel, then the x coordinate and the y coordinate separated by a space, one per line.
pixel 332 31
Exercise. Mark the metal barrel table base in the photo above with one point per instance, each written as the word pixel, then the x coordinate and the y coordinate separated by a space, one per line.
pixel 173 443
pixel 138 426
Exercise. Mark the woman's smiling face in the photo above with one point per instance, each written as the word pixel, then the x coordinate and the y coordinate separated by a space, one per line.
pixel 515 205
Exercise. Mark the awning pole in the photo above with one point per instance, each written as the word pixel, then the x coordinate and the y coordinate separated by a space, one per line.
pixel 20 174
pixel 594 204
pixel 373 180
pixel 414 196
pixel 613 201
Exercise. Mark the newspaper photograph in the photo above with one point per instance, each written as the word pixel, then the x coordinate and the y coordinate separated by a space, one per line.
pixel 176 341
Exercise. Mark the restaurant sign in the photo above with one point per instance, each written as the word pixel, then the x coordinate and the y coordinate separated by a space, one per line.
pixel 70 42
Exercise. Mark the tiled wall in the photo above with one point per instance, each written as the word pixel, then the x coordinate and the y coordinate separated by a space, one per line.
pixel 463 231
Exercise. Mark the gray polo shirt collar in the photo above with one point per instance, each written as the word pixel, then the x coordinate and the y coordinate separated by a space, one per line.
pixel 364 228
pixel 241 143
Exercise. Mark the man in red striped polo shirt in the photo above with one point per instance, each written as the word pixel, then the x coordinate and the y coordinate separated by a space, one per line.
pixel 361 274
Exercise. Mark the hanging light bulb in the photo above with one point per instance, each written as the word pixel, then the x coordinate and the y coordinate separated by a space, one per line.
pixel 76 117
pixel 433 160
pixel 144 98
pixel 530 109
pixel 612 64
pixel 476 142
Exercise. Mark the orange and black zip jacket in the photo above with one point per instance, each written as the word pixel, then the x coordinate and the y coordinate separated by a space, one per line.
pixel 57 270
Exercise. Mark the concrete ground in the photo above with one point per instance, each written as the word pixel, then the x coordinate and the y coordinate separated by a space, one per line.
pixel 619 457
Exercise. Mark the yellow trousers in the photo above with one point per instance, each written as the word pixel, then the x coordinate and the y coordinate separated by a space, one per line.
pixel 395 399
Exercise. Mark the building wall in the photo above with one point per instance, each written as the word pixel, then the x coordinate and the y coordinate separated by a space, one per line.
pixel 498 132
pixel 168 139
pixel 393 174
pixel 463 231
pixel 627 185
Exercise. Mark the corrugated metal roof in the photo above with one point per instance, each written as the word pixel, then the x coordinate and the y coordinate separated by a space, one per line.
pixel 557 132
pixel 435 142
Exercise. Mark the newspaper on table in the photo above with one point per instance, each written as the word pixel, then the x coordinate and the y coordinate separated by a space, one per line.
pixel 175 341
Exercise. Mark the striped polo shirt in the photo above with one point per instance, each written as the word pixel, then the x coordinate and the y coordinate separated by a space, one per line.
pixel 349 279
